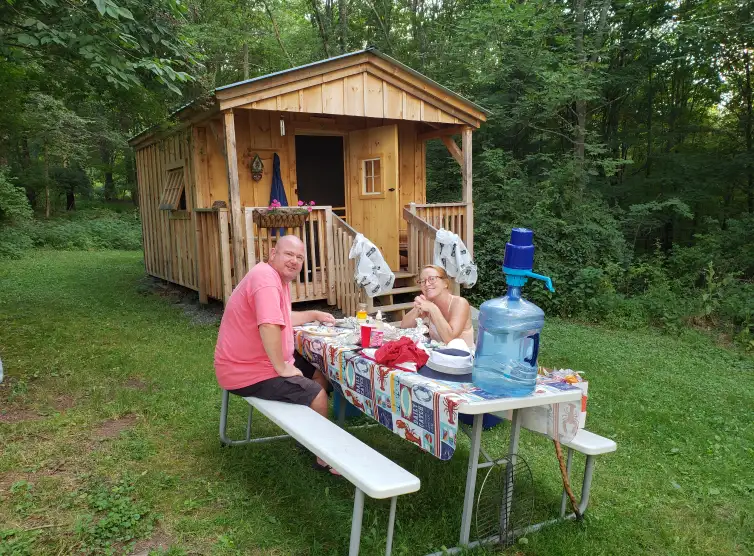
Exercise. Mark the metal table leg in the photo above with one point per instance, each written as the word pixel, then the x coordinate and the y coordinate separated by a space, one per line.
pixel 471 472
pixel 512 451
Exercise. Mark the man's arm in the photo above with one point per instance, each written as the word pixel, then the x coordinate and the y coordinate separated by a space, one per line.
pixel 272 340
pixel 302 317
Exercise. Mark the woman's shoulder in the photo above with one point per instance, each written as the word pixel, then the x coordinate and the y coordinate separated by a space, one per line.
pixel 460 303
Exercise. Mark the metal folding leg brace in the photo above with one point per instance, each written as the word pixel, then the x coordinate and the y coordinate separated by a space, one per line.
pixel 358 513
pixel 586 486
pixel 225 441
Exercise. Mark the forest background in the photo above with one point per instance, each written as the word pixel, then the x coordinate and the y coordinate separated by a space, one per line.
pixel 622 131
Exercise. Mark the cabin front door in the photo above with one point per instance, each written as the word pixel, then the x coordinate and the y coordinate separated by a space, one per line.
pixel 374 198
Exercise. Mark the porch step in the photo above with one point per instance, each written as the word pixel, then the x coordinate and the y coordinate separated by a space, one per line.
pixel 403 274
pixel 395 307
pixel 406 289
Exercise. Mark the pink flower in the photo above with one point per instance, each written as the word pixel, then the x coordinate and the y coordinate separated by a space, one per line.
pixel 312 203
pixel 309 209
pixel 300 203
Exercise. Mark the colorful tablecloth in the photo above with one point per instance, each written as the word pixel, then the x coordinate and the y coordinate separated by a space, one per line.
pixel 419 409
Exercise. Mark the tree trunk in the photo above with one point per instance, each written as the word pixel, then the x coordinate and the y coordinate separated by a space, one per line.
pixel 47 184
pixel 109 190
pixel 321 27
pixel 748 133
pixel 277 33
pixel 245 61
pixel 131 178
pixel 70 200
pixel 343 25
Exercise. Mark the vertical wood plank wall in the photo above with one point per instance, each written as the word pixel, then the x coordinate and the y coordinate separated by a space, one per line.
pixel 178 247
pixel 168 236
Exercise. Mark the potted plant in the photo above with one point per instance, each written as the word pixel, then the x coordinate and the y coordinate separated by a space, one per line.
pixel 278 216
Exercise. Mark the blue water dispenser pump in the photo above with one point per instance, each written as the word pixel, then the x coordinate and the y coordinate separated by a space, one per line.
pixel 519 260
pixel 507 347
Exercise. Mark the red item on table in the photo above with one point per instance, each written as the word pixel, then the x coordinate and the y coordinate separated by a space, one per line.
pixel 401 351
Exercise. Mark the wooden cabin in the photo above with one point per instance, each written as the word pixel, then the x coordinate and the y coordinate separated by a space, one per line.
pixel 350 134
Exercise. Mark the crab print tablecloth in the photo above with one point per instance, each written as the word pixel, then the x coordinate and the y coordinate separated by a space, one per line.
pixel 419 409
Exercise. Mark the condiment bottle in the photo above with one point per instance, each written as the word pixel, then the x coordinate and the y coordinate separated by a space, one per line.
pixel 361 314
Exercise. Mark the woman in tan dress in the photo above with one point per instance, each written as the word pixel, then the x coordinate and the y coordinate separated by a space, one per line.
pixel 448 316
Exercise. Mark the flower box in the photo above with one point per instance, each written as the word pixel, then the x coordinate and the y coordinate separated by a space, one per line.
pixel 280 217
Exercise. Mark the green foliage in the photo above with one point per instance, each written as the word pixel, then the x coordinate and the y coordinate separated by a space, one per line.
pixel 14 206
pixel 114 516
pixel 88 230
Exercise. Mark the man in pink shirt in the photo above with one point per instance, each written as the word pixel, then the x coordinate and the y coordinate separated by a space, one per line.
pixel 255 353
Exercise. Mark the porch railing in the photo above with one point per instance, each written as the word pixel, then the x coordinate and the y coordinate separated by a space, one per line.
pixel 214 254
pixel 421 240
pixel 454 217
pixel 346 292
pixel 316 278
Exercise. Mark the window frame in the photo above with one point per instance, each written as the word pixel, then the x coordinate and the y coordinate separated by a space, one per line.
pixel 174 189
pixel 363 194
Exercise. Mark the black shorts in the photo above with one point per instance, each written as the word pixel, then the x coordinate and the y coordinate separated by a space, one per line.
pixel 300 390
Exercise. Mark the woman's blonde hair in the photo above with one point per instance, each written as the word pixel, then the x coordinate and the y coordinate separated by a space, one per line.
pixel 440 272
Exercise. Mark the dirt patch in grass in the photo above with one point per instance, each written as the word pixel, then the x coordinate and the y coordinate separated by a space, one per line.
pixel 158 541
pixel 64 402
pixel 113 427
pixel 136 384
pixel 185 298
pixel 10 415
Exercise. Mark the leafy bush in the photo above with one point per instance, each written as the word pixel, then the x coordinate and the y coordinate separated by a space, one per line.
pixel 99 229
pixel 14 206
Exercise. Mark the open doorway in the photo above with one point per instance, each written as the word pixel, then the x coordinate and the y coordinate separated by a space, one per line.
pixel 320 178
pixel 319 171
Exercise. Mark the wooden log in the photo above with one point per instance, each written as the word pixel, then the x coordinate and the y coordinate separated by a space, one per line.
pixel 234 197
pixel 251 257
pixel 468 197
pixel 222 223
pixel 329 259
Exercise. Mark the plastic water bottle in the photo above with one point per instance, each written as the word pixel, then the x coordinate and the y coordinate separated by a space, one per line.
pixel 507 346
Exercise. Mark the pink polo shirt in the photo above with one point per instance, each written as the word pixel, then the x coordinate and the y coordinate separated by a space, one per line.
pixel 260 298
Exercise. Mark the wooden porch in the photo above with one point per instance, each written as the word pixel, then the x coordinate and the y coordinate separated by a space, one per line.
pixel 327 273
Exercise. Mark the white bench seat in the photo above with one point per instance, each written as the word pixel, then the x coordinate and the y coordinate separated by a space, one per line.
pixel 591 445
pixel 368 470
pixel 363 466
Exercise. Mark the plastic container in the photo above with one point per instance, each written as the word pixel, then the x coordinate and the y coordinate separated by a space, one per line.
pixel 361 314
pixel 351 410
pixel 505 362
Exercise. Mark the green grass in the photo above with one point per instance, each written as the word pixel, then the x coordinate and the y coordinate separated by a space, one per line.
pixel 108 428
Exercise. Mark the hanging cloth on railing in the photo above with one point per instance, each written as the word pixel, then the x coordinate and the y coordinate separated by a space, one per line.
pixel 372 272
pixel 277 191
pixel 452 255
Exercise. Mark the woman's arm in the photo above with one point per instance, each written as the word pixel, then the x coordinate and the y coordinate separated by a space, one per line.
pixel 451 328
pixel 409 319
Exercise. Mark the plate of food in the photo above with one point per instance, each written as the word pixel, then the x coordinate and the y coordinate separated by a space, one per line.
pixel 322 330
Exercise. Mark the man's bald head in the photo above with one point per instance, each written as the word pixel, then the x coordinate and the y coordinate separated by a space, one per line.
pixel 287 257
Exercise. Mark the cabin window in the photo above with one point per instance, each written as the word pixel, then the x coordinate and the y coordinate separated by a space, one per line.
pixel 174 194
pixel 371 179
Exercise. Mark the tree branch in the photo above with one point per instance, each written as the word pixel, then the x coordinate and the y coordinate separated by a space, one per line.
pixel 277 33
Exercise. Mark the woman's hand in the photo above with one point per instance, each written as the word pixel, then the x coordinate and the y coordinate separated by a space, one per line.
pixel 424 305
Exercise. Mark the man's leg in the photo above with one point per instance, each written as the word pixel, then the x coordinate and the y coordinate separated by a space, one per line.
pixel 297 390
pixel 310 371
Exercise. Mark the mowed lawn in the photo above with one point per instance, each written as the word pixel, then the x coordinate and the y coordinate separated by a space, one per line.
pixel 108 437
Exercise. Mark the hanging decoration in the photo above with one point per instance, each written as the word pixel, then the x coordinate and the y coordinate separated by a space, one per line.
pixel 256 168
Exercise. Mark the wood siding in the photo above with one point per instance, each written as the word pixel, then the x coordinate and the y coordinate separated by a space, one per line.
pixel 168 236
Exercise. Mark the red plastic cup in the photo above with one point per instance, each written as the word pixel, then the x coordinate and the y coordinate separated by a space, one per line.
pixel 366 335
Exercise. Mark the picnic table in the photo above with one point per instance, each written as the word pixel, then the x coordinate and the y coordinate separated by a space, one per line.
pixel 425 412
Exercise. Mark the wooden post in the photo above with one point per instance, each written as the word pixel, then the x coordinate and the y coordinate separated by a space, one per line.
pixel 413 243
pixel 251 257
pixel 234 196
pixel 330 264
pixel 467 192
pixel 202 265
pixel 222 223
